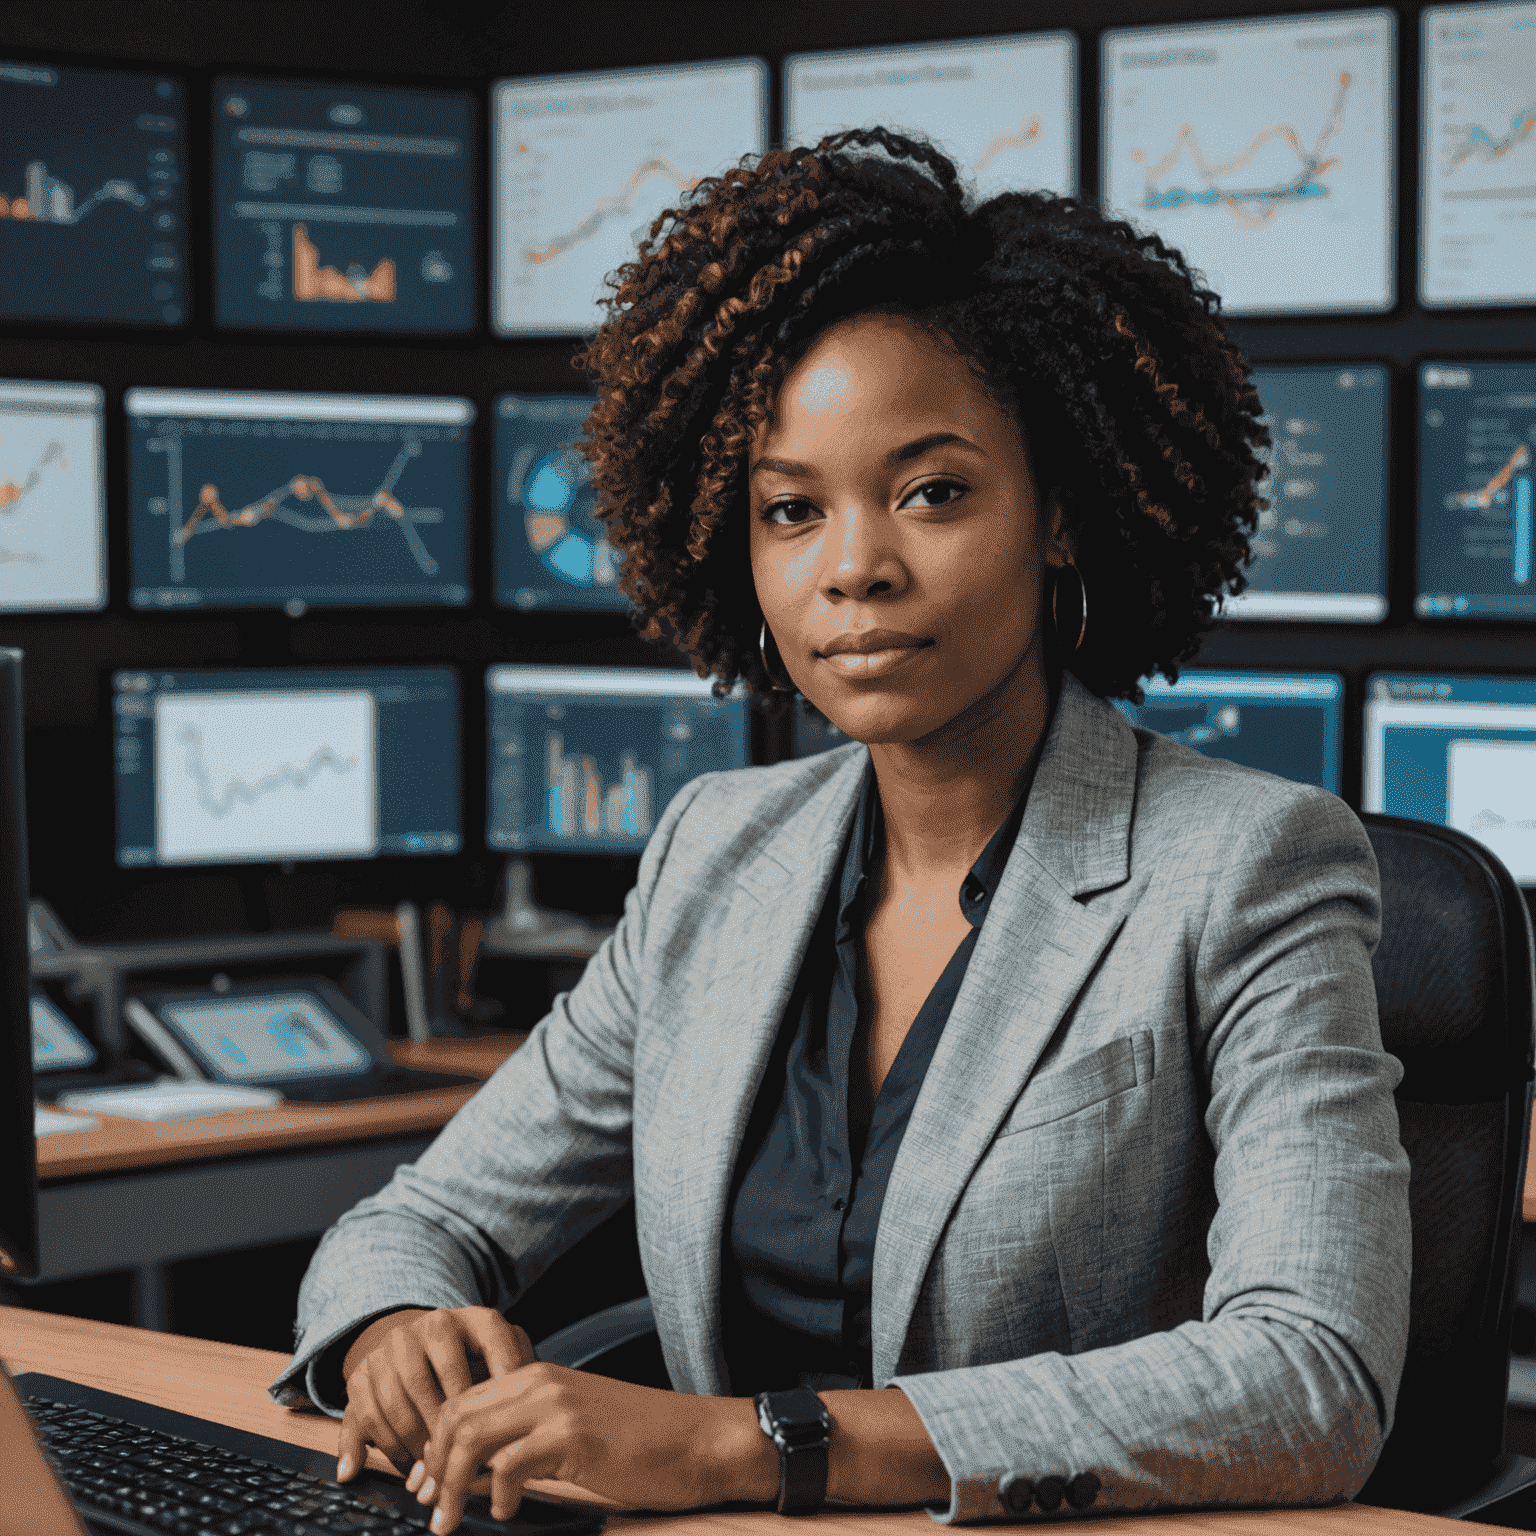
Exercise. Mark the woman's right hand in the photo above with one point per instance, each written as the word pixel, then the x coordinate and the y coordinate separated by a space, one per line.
pixel 403 1367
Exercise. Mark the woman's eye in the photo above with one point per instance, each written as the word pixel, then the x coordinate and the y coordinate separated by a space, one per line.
pixel 947 490
pixel 771 513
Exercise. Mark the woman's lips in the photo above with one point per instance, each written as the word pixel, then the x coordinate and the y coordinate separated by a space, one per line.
pixel 860 664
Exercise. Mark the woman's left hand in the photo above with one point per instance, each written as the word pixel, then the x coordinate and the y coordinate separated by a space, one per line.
pixel 647 1448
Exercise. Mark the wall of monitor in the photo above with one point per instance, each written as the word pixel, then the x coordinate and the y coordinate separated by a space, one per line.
pixel 315 607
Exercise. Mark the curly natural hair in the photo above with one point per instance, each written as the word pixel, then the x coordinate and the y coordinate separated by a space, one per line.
pixel 1134 403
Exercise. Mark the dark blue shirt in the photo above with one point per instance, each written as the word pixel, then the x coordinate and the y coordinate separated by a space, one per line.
pixel 811 1176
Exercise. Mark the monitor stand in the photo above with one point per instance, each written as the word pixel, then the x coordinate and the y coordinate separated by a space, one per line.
pixel 525 928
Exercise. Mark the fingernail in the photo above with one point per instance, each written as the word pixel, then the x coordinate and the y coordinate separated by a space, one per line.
pixel 437 1521
pixel 418 1472
pixel 424 1494
pixel 344 1467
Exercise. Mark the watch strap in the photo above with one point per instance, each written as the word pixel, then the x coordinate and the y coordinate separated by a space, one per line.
pixel 797 1423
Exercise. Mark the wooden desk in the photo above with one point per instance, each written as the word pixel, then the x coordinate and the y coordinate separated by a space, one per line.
pixel 227 1384
pixel 138 1195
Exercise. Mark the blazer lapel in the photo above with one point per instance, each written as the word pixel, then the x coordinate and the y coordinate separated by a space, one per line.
pixel 1036 950
pixel 722 1052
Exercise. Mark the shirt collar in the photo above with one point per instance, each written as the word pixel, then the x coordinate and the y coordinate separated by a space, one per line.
pixel 868 833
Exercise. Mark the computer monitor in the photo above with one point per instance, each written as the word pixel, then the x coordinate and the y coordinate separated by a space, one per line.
pixel 18 1138
pixel 1320 550
pixel 1003 108
pixel 53 537
pixel 1459 752
pixel 229 767
pixel 93 196
pixel 583 164
pixel 585 759
pixel 1263 149
pixel 1477 459
pixel 343 207
pixel 1476 118
pixel 263 500
pixel 1286 723
pixel 551 552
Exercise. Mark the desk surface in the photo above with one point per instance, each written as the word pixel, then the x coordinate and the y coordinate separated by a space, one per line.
pixel 117 1144
pixel 227 1384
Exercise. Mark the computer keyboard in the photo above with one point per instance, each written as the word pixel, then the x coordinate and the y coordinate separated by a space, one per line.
pixel 187 1488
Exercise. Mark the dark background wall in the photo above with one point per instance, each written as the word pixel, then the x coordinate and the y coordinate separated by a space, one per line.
pixel 452 42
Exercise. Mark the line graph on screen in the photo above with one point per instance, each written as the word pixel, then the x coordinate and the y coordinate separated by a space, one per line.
pixel 1476 143
pixel 607 207
pixel 240 791
pixel 1253 206
pixel 340 512
pixel 1030 133
pixel 48 200
pixel 1487 494
pixel 14 492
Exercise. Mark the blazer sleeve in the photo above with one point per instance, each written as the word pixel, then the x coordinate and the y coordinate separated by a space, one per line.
pixel 1283 1392
pixel 536 1158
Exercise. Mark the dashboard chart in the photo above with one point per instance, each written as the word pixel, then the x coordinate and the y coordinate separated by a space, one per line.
pixel 550 550
pixel 1320 550
pixel 582 165
pixel 52 504
pixel 276 500
pixel 1458 752
pixel 93 217
pixel 1477 441
pixel 344 208
pixel 231 767
pixel 585 759
pixel 1478 155
pixel 1286 723
pixel 1263 150
pixel 1004 109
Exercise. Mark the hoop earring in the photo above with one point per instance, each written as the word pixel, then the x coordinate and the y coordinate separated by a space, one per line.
pixel 1082 623
pixel 773 677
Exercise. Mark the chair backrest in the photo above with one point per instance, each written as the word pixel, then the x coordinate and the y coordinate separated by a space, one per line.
pixel 1454 986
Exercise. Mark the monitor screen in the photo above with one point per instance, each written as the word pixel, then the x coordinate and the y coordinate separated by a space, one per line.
pixel 93 196
pixel 1477 116
pixel 343 207
pixel 585 759
pixel 1477 437
pixel 248 499
pixel 1320 551
pixel 227 767
pixel 582 165
pixel 1459 752
pixel 551 551
pixel 1263 150
pixel 57 1045
pixel 1286 723
pixel 52 506
pixel 1003 108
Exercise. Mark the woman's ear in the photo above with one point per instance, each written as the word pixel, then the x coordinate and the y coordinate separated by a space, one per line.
pixel 1060 545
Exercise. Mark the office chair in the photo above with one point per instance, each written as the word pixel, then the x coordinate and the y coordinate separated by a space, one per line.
pixel 1454 986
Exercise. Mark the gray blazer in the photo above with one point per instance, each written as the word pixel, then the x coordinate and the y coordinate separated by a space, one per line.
pixel 1150 1216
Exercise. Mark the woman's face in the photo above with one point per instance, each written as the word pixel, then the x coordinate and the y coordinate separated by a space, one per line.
pixel 892 503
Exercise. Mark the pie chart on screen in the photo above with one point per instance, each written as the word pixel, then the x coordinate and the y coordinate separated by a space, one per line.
pixel 555 494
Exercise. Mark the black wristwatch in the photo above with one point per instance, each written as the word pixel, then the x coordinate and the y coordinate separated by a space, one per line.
pixel 797 1423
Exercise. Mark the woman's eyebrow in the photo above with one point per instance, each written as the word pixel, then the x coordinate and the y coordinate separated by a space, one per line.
pixel 915 449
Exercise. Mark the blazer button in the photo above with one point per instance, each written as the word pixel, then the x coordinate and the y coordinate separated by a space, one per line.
pixel 1083 1490
pixel 1049 1491
pixel 1016 1492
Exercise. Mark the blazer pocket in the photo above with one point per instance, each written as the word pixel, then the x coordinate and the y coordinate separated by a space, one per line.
pixel 1082 1083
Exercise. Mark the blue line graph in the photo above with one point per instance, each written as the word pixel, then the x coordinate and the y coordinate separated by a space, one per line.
pixel 240 792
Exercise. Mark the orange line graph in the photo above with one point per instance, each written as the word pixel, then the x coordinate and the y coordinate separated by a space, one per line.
pixel 304 487
pixel 313 283
pixel 13 493
pixel 1269 200
pixel 1480 143
pixel 1000 145
pixel 1484 496
pixel 606 207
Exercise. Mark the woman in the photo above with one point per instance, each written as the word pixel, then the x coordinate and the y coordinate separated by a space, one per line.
pixel 1097 1164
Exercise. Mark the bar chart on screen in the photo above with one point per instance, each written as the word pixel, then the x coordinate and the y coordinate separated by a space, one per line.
pixel 584 163
pixel 92 196
pixel 1478 156
pixel 1263 150
pixel 344 207
pixel 298 500
pixel 52 506
pixel 1004 108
